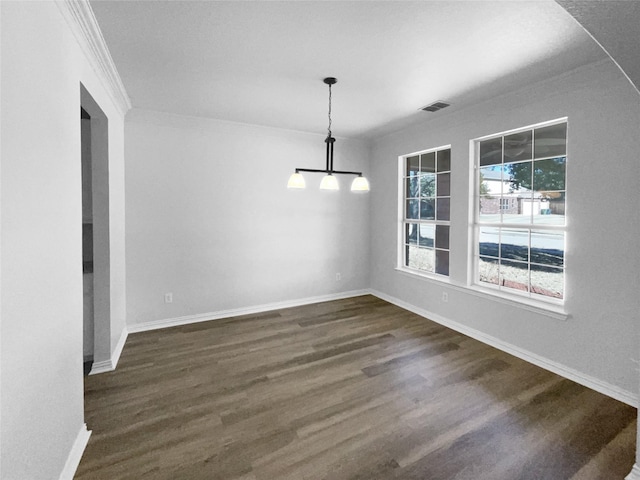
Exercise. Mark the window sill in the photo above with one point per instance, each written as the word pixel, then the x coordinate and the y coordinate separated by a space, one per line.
pixel 543 308
pixel 425 276
pixel 547 309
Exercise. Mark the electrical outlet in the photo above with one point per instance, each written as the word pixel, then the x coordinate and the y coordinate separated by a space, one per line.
pixel 168 297
pixel 338 277
pixel 445 297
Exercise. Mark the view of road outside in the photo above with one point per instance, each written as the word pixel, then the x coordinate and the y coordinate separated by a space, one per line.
pixel 505 257
pixel 521 210
pixel 520 206
pixel 530 260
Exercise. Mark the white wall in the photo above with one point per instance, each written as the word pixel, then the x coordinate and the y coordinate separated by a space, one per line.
pixel 600 338
pixel 209 217
pixel 41 408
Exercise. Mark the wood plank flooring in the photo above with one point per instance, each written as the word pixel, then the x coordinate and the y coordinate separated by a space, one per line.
pixel 350 389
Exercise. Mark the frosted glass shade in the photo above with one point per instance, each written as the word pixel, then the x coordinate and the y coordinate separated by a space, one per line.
pixel 296 180
pixel 360 184
pixel 329 182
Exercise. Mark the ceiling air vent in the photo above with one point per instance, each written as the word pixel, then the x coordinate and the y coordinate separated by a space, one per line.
pixel 434 107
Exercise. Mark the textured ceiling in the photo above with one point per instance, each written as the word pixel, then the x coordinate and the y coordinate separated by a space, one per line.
pixel 615 24
pixel 263 62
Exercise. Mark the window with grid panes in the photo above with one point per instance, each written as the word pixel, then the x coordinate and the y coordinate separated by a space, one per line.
pixel 426 207
pixel 520 223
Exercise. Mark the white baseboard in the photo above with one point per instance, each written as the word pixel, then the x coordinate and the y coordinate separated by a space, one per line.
pixel 634 474
pixel 596 384
pixel 102 367
pixel 115 356
pixel 204 317
pixel 557 368
pixel 110 364
pixel 75 455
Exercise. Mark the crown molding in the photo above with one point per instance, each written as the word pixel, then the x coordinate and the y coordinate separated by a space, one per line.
pixel 83 23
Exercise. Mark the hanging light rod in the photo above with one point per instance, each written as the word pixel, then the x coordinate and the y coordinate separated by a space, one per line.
pixel 329 182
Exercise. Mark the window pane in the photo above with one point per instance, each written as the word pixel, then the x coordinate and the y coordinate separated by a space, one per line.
pixel 517 146
pixel 428 185
pixel 514 275
pixel 428 162
pixel 413 166
pixel 514 244
pixel 444 184
pixel 442 262
pixel 488 270
pixel 412 187
pixel 547 281
pixel 516 202
pixel 547 248
pixel 550 141
pixel 421 258
pixel 444 206
pixel 517 209
pixel 549 174
pixel 551 209
pixel 489 209
pixel 427 209
pixel 412 209
pixel 491 151
pixel 548 195
pixel 489 239
pixel 412 257
pixel 428 259
pixel 444 160
pixel 491 180
pixel 427 235
pixel 411 233
pixel 519 176
pixel 442 236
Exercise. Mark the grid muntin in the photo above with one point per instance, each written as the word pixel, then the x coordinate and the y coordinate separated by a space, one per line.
pixel 429 164
pixel 529 227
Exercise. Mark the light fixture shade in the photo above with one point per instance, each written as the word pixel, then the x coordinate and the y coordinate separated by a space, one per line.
pixel 360 184
pixel 296 180
pixel 329 182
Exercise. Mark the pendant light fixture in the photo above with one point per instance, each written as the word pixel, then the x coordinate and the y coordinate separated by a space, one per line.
pixel 329 182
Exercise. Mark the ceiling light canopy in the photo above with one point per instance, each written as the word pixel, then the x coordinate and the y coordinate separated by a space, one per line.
pixel 329 182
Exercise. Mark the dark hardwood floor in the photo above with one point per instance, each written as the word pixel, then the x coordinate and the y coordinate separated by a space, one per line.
pixel 350 389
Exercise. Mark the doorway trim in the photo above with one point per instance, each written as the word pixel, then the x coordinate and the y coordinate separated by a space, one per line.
pixel 103 360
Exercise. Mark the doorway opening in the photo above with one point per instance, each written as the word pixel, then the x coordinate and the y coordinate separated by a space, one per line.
pixel 94 133
pixel 87 242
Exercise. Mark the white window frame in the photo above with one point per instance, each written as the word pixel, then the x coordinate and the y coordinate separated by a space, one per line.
pixel 402 220
pixel 475 224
